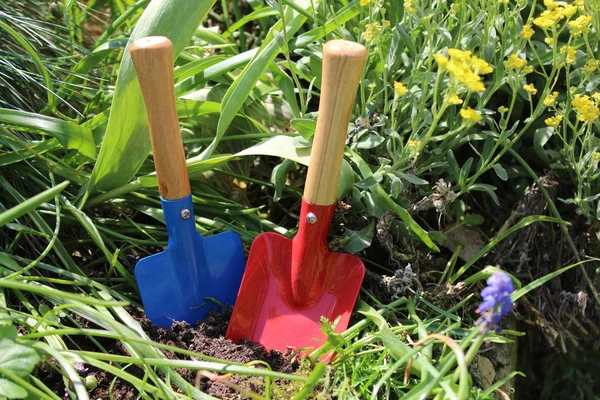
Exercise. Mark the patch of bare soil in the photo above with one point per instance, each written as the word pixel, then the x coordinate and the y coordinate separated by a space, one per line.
pixel 205 337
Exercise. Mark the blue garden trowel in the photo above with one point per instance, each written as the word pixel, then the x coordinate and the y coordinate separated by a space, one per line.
pixel 179 283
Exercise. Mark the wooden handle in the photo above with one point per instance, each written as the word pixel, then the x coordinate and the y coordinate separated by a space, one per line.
pixel 153 61
pixel 343 64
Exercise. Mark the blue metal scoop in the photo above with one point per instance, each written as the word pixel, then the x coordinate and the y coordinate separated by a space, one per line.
pixel 180 283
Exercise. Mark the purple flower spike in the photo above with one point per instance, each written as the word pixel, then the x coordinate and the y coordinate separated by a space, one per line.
pixel 496 301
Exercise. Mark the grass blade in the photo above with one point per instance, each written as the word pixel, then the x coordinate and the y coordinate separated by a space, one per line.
pixel 30 204
pixel 126 144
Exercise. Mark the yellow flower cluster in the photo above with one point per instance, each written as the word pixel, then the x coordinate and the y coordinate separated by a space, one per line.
pixel 527 32
pixel 554 121
pixel 580 26
pixel 409 7
pixel 596 97
pixel 465 68
pixel 596 156
pixel 399 89
pixel 413 144
pixel 371 31
pixel 514 62
pixel 553 14
pixel 470 115
pixel 454 100
pixel 550 99
pixel 518 64
pixel 590 66
pixel 586 108
pixel 569 53
pixel 364 3
pixel 530 89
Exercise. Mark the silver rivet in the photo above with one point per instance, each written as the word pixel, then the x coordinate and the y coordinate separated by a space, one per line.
pixel 311 218
pixel 185 213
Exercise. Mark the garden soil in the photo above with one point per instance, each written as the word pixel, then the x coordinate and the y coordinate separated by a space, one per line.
pixel 205 337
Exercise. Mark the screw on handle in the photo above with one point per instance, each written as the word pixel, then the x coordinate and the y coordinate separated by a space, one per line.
pixel 153 61
pixel 343 64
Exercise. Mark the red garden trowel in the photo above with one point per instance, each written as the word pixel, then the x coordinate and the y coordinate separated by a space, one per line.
pixel 177 284
pixel 290 284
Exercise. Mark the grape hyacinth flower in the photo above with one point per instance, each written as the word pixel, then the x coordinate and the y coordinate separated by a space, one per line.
pixel 496 301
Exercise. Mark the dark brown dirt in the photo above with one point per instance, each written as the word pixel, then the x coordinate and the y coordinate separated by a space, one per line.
pixel 206 338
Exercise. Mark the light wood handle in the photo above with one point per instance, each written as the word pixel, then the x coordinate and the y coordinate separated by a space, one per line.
pixel 343 64
pixel 153 60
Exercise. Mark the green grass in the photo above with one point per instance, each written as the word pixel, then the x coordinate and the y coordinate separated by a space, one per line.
pixel 247 78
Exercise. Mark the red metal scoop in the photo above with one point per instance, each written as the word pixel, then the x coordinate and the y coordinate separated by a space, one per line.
pixel 290 284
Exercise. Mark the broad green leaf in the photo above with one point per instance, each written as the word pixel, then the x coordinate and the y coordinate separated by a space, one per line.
pixel 453 164
pixel 70 135
pixel 473 219
pixel 286 85
pixel 11 390
pixel 370 141
pixel 465 171
pixel 31 204
pixel 278 146
pixel 126 142
pixel 346 180
pixel 17 358
pixel 411 178
pixel 279 176
pixel 500 171
pixel 239 91
pixel 540 138
pixel 484 187
pixel 305 127
pixel 8 332
pixel 355 241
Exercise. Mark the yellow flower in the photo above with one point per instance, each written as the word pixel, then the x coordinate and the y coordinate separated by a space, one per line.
pixel 569 53
pixel 550 41
pixel 596 156
pixel 527 69
pixel 481 67
pixel 569 10
pixel 399 89
pixel 585 107
pixel 470 115
pixel 514 62
pixel 550 4
pixel 409 7
pixel 554 121
pixel 364 3
pixel 385 23
pixel 371 31
pixel 505 1
pixel 550 99
pixel 442 61
pixel 549 18
pixel 579 26
pixel 590 66
pixel 530 88
pixel 527 32
pixel 454 100
pixel 596 97
pixel 465 68
pixel 580 4
pixel 413 144
pixel 502 109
